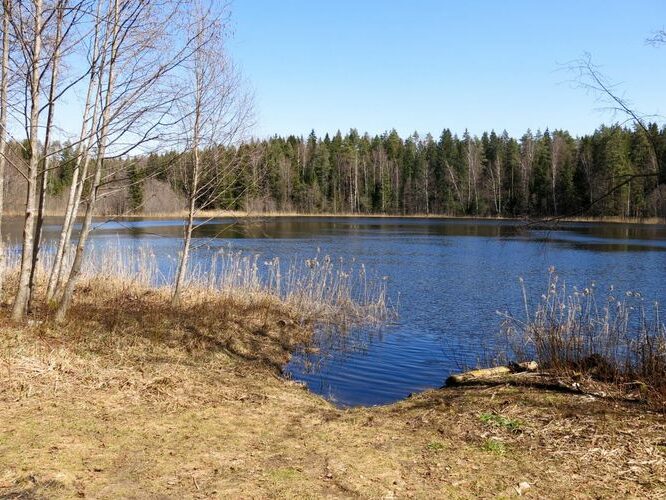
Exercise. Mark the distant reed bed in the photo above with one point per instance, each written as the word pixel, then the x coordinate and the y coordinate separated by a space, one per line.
pixel 615 336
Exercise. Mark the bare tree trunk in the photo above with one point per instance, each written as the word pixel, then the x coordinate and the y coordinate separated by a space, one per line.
pixel 493 185
pixel 44 174
pixel 397 186
pixel 68 226
pixel 455 183
pixel 21 301
pixel 555 163
pixel 427 195
pixel 472 180
pixel 470 170
pixel 356 197
pixel 526 162
pixel 4 85
pixel 80 172
pixel 381 181
pixel 194 189
pixel 182 267
pixel 499 186
pixel 365 180
pixel 68 291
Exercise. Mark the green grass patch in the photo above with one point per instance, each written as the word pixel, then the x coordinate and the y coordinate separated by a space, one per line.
pixel 284 474
pixel 435 446
pixel 510 424
pixel 494 446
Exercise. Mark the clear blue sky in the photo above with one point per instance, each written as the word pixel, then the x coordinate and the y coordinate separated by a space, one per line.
pixel 426 64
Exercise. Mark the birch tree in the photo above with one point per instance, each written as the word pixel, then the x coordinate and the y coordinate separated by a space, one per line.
pixel 557 151
pixel 31 49
pixel 67 16
pixel 141 49
pixel 4 88
pixel 83 153
pixel 217 112
pixel 40 30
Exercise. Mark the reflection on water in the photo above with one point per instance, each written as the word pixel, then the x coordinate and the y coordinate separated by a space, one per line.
pixel 448 278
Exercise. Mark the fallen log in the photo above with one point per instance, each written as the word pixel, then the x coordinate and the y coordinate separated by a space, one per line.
pixel 494 372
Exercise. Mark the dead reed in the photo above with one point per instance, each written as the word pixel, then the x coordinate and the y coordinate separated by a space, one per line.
pixel 615 337
pixel 320 289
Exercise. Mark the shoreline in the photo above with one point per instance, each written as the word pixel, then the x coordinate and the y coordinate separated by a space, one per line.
pixel 223 214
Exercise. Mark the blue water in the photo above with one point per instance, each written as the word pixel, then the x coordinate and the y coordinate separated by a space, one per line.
pixel 447 279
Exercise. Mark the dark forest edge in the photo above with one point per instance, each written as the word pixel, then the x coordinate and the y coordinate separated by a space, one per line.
pixel 611 173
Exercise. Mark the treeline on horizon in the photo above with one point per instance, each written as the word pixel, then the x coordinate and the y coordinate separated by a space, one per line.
pixel 612 172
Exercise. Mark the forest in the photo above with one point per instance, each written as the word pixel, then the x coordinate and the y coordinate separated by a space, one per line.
pixel 611 172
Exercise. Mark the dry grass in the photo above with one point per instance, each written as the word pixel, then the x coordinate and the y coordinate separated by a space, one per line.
pixel 133 398
pixel 241 214
pixel 137 328
pixel 330 290
pixel 617 337
pixel 321 288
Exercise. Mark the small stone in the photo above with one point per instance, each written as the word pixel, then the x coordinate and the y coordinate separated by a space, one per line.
pixel 522 487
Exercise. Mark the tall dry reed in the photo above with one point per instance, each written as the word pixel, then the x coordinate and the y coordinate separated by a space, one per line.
pixel 320 288
pixel 616 336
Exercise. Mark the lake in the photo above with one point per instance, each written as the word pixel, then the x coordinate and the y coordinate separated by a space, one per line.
pixel 447 279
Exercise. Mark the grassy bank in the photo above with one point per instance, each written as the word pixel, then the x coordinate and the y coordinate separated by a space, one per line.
pixel 133 398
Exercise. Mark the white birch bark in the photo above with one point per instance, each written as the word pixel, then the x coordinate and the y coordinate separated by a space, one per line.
pixel 21 300
pixel 43 177
pixel 80 171
pixel 77 264
pixel 4 87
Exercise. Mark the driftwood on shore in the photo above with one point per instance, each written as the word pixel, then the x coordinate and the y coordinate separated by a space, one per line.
pixel 496 371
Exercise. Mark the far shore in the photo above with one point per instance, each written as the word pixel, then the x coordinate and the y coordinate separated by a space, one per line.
pixel 216 214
